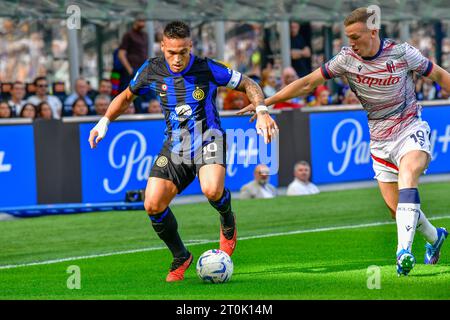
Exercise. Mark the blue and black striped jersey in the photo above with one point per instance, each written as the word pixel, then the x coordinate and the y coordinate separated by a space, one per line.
pixel 187 98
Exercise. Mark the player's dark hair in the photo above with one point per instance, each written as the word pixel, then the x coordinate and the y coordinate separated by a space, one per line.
pixel 177 30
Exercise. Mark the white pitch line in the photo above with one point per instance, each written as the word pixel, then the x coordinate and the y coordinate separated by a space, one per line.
pixel 198 242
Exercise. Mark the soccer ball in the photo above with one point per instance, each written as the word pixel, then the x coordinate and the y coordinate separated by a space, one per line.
pixel 215 266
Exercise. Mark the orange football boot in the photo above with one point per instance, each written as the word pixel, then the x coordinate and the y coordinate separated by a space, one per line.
pixel 177 270
pixel 228 245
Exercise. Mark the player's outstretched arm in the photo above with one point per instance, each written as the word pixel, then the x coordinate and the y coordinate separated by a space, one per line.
pixel 298 88
pixel 265 125
pixel 118 106
pixel 441 76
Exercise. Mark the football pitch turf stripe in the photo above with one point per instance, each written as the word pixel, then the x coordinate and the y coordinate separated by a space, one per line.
pixel 201 242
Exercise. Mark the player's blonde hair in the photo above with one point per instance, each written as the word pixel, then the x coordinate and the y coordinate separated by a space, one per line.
pixel 358 15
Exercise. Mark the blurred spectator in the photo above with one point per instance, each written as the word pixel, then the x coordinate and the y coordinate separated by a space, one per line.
pixel 287 77
pixel 425 89
pixel 101 104
pixel 131 109
pixel 44 111
pixel 300 52
pixel 269 82
pixel 350 98
pixel 235 100
pixel 81 91
pixel 28 111
pixel 91 92
pixel 17 97
pixel 260 186
pixel 133 51
pixel 105 87
pixel 79 108
pixel 5 110
pixel 322 96
pixel 41 85
pixel 301 184
pixel 154 106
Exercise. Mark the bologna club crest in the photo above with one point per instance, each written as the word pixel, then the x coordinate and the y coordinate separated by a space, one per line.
pixel 390 65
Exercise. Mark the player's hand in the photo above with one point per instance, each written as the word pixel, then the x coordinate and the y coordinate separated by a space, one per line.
pixel 266 126
pixel 98 132
pixel 248 109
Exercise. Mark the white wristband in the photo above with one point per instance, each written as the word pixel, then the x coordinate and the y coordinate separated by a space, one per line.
pixel 261 108
pixel 105 121
pixel 102 127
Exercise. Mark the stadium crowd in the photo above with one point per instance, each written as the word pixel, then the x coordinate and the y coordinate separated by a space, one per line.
pixel 35 100
pixel 245 52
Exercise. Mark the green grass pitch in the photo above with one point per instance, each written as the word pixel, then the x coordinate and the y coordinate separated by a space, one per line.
pixel 290 248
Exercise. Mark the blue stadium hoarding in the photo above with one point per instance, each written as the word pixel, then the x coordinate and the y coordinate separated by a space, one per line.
pixel 340 149
pixel 122 161
pixel 17 166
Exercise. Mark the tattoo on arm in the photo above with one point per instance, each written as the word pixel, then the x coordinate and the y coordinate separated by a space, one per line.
pixel 252 89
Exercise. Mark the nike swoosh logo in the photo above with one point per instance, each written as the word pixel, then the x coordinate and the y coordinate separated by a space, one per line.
pixel 208 158
pixel 162 94
pixel 408 228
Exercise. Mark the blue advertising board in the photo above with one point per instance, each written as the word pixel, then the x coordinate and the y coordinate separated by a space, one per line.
pixel 17 166
pixel 340 149
pixel 123 160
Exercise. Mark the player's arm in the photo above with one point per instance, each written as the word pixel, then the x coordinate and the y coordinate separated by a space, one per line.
pixel 138 86
pixel 264 123
pixel 298 88
pixel 441 76
pixel 118 106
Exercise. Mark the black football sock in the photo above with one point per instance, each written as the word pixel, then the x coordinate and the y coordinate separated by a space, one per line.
pixel 223 206
pixel 166 227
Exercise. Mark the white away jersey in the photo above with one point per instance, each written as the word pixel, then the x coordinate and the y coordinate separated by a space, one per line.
pixel 383 84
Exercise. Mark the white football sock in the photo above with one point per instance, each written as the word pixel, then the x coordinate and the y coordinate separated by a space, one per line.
pixel 406 218
pixel 425 227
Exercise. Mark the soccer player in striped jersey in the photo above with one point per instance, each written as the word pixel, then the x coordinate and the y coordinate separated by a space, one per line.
pixel 195 143
pixel 380 73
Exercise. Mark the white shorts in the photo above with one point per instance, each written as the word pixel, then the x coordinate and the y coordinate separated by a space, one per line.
pixel 386 155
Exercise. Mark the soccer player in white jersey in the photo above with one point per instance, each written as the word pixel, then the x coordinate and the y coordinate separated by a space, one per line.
pixel 380 73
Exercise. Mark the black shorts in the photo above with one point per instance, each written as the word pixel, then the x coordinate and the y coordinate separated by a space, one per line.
pixel 181 170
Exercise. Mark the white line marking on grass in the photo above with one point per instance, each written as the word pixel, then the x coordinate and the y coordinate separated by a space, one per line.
pixel 197 242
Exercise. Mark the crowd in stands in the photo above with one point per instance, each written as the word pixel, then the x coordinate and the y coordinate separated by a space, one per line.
pixel 35 101
pixel 42 99
pixel 20 100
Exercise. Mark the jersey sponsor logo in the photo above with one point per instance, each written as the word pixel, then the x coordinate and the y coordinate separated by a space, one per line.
pixel 372 82
pixel 182 112
pixel 162 161
pixel 198 94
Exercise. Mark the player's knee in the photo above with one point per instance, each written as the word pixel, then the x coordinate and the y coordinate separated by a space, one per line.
pixel 153 207
pixel 212 193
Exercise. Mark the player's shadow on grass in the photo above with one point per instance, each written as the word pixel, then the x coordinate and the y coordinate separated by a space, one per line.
pixel 434 273
pixel 322 269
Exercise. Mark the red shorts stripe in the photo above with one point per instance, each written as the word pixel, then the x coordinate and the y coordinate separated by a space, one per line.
pixel 386 163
